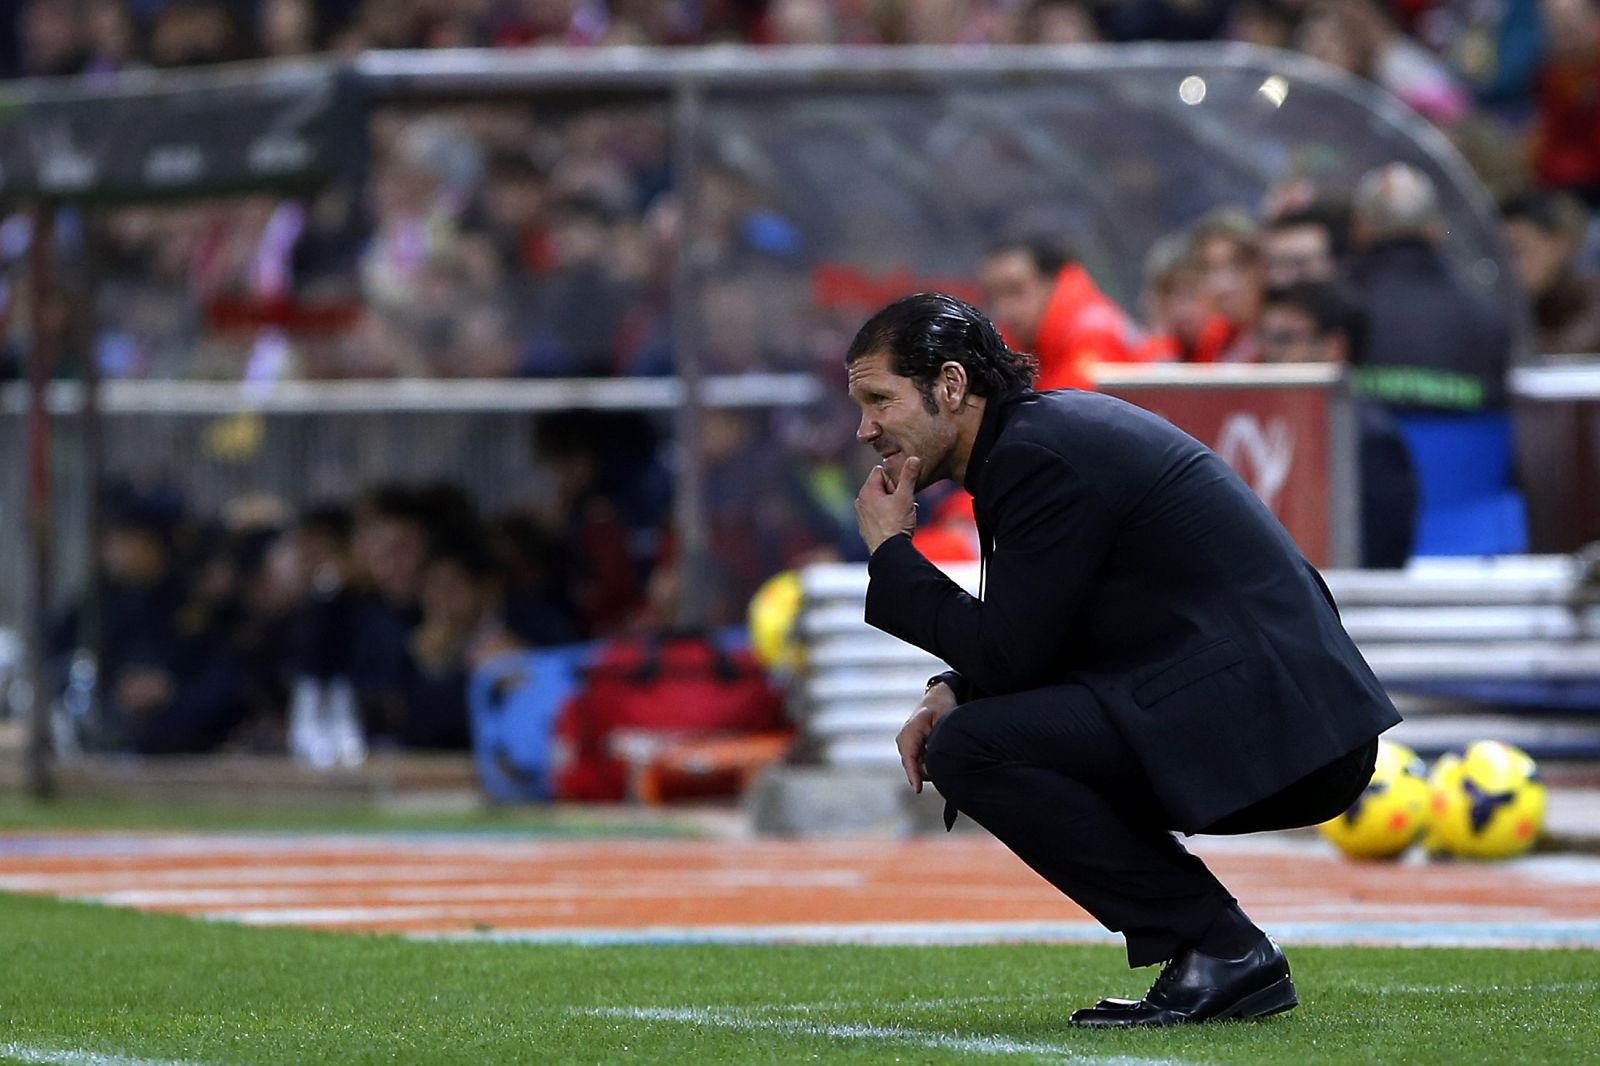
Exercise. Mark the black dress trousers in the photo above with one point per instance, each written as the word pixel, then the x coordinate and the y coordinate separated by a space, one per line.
pixel 1049 774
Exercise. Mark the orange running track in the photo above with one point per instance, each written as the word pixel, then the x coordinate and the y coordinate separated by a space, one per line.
pixel 960 888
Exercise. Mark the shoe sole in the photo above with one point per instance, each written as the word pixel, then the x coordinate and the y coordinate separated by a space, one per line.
pixel 1274 999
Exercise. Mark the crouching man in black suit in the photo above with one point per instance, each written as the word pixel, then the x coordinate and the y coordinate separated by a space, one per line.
pixel 1149 651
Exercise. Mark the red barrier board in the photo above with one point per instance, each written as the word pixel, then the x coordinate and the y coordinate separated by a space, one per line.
pixel 1280 439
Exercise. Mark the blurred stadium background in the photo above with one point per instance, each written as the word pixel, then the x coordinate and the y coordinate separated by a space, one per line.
pixel 429 416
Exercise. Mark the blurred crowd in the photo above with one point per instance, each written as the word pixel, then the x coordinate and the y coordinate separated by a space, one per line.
pixel 1513 57
pixel 501 241
pixel 204 624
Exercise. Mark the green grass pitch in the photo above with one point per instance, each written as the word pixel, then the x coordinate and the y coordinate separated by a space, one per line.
pixel 93 986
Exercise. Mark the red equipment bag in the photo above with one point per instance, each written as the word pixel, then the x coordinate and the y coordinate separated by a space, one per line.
pixel 666 688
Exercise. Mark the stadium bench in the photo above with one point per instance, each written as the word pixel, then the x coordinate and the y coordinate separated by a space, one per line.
pixel 1521 631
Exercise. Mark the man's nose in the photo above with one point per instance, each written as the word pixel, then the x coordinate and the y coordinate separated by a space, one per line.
pixel 867 431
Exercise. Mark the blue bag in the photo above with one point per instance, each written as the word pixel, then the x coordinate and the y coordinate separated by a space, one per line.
pixel 515 700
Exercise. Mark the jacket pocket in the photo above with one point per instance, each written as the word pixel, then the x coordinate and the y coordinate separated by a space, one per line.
pixel 1186 671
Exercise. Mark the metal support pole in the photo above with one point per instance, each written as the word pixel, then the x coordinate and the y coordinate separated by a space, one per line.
pixel 1344 476
pixel 92 427
pixel 44 320
pixel 689 511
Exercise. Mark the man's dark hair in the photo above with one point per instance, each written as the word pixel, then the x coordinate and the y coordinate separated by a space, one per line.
pixel 1331 217
pixel 1047 254
pixel 924 331
pixel 1333 308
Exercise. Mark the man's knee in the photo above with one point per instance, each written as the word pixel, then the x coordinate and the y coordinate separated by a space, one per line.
pixel 952 749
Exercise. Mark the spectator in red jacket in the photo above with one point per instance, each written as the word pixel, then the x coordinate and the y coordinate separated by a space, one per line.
pixel 1046 303
pixel 1174 307
pixel 1225 246
pixel 1566 143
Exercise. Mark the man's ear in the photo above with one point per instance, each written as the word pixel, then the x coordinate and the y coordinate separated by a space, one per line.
pixel 951 388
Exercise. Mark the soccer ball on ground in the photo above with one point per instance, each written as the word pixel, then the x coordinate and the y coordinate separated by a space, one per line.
pixel 1443 781
pixel 1488 802
pixel 1390 813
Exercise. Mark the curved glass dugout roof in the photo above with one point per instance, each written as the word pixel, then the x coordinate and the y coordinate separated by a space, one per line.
pixel 918 158
pixel 1110 153
pixel 888 158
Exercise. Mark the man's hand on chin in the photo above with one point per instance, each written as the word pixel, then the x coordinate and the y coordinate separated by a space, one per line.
pixel 884 508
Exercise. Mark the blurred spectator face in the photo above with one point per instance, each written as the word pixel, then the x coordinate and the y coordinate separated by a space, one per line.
pixel 803 22
pixel 382 346
pixel 647 21
pixel 1230 278
pixel 481 345
pixel 51 43
pixel 1178 305
pixel 391 550
pixel 726 433
pixel 1330 34
pixel 320 555
pixel 1297 253
pixel 573 473
pixel 402 190
pixel 1267 24
pixel 725 197
pixel 386 23
pixel 455 31
pixel 133 555
pixel 637 257
pixel 288 27
pixel 109 29
pixel 453 598
pixel 1060 22
pixel 936 21
pixel 1571 30
pixel 1538 256
pixel 278 584
pixel 189 34
pixel 733 321
pixel 1017 293
pixel 578 238
pixel 514 197
pixel 1289 335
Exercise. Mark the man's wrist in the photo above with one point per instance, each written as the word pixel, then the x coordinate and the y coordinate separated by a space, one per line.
pixel 873 549
pixel 950 680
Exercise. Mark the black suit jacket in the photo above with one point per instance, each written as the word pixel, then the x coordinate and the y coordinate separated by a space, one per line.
pixel 1122 554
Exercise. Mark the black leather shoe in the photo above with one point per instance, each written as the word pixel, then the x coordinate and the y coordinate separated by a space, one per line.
pixel 1201 988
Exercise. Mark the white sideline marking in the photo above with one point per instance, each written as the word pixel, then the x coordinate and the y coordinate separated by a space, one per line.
pixel 920 1003
pixel 972 1045
pixel 36 1055
pixel 1435 990
pixel 358 915
pixel 494 892
pixel 620 882
pixel 1579 932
